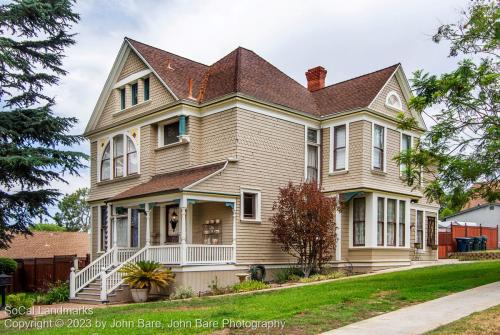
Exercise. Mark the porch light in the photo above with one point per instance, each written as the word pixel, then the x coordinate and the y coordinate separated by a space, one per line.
pixel 174 220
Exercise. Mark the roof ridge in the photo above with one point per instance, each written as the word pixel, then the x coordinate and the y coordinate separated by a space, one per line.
pixel 152 46
pixel 357 77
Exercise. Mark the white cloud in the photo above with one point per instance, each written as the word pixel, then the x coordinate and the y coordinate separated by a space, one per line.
pixel 348 38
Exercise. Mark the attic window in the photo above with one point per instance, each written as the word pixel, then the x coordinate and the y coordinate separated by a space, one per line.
pixel 393 100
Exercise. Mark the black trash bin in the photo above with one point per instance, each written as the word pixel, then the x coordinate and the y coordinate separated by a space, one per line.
pixel 477 243
pixel 484 245
pixel 463 244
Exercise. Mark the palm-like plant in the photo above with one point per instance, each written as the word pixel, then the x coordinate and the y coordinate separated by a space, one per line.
pixel 146 274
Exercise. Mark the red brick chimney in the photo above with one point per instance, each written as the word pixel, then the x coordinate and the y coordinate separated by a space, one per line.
pixel 316 78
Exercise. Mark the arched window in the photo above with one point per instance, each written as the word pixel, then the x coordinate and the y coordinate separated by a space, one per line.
pixel 118 156
pixel 393 100
pixel 105 164
pixel 131 157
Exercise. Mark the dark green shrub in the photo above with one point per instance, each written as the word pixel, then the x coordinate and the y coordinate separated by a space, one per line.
pixel 18 304
pixel 7 265
pixel 258 272
pixel 283 275
pixel 59 292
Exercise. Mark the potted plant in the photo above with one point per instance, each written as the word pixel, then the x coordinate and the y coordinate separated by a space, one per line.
pixel 144 275
pixel 417 245
pixel 434 247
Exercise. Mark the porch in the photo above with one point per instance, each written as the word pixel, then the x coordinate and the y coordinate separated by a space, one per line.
pixel 174 230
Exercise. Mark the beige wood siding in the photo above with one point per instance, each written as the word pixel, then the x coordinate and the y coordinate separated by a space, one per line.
pixel 379 102
pixel 212 210
pixel 270 153
pixel 158 95
pixel 378 254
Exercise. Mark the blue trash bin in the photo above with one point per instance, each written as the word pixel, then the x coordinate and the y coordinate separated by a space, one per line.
pixel 463 244
pixel 477 243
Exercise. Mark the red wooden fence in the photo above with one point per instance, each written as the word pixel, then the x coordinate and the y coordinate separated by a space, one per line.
pixel 36 274
pixel 448 244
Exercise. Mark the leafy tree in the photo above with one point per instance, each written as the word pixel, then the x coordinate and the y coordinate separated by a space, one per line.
pixel 47 227
pixel 74 211
pixel 33 37
pixel 304 225
pixel 463 146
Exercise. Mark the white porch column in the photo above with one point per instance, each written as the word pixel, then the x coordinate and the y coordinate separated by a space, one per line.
pixel 183 205
pixel 115 241
pixel 109 227
pixel 148 224
pixel 234 231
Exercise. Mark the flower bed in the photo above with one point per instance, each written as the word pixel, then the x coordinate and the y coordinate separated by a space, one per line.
pixel 476 255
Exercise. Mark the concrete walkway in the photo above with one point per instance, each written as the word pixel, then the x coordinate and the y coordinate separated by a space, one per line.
pixel 426 316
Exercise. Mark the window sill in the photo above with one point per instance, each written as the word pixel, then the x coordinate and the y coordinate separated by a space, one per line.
pixel 250 221
pixel 128 109
pixel 339 172
pixel 172 145
pixel 379 172
pixel 118 179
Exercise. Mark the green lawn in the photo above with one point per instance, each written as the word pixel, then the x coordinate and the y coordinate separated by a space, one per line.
pixel 305 310
pixel 485 322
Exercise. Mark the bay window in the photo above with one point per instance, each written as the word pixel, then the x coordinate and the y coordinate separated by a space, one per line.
pixel 380 221
pixel 402 223
pixel 119 158
pixel 391 222
pixel 378 147
pixel 359 214
pixel 339 148
pixel 134 94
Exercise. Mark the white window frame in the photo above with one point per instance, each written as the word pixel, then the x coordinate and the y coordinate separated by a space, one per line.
pixel 399 106
pixel 109 140
pixel 402 134
pixel 373 147
pixel 318 145
pixel 332 137
pixel 161 130
pixel 258 204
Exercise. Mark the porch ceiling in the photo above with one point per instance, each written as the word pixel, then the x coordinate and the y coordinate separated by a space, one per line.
pixel 170 182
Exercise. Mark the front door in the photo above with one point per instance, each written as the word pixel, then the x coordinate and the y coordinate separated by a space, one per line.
pixel 431 231
pixel 173 224
pixel 122 232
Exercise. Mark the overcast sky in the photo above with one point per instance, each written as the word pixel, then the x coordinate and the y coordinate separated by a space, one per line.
pixel 348 38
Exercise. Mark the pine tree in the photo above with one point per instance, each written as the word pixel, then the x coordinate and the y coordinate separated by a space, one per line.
pixel 33 37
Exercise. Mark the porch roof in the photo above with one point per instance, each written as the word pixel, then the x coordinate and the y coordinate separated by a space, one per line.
pixel 171 182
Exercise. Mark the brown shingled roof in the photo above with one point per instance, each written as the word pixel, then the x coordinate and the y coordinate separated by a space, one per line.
pixel 354 93
pixel 48 244
pixel 170 182
pixel 245 72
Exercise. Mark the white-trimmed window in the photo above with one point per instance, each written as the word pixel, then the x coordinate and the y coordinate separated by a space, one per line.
pixel 380 221
pixel 378 147
pixel 405 146
pixel 312 157
pixel 119 158
pixel 132 164
pixel 250 205
pixel 402 223
pixel 359 221
pixel 391 222
pixel 106 163
pixel 339 146
pixel 420 228
pixel 393 100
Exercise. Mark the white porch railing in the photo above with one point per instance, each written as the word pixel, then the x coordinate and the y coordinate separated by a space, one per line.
pixel 168 255
pixel 209 254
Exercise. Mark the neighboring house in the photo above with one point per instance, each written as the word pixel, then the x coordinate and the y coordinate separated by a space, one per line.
pixel 187 159
pixel 44 244
pixel 486 215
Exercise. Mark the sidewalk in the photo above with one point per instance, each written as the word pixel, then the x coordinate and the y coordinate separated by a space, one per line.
pixel 426 316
